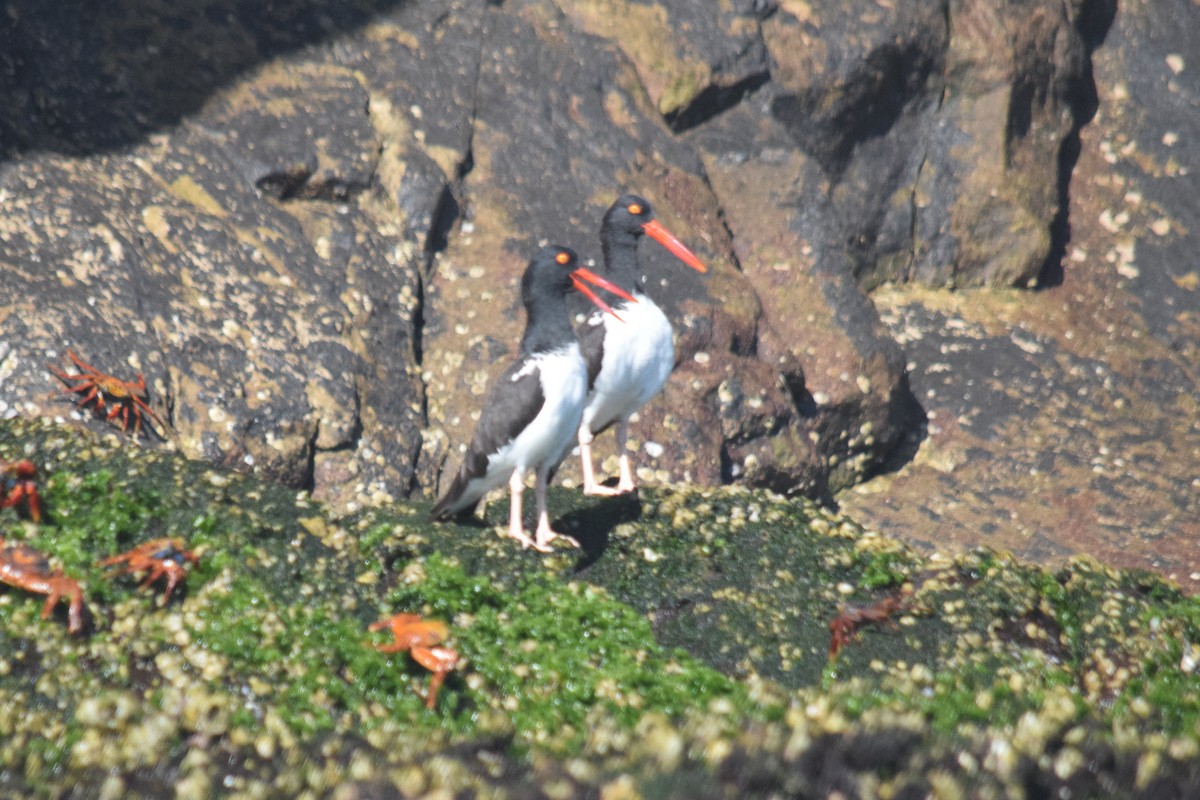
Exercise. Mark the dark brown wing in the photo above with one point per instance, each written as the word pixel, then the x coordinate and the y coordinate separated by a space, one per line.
pixel 591 344
pixel 514 400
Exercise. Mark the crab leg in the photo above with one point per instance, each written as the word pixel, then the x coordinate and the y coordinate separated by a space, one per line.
pixel 439 661
pixel 93 394
pixel 56 589
pixel 142 404
pixel 29 495
pixel 115 410
pixel 83 365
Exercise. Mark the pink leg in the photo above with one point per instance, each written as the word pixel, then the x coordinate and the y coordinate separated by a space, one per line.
pixel 545 535
pixel 590 485
pixel 625 484
pixel 516 485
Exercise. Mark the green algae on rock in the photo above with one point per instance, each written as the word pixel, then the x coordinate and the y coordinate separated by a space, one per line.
pixel 686 644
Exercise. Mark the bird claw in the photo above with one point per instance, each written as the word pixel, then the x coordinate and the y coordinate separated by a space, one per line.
pixel 526 542
pixel 571 540
pixel 545 536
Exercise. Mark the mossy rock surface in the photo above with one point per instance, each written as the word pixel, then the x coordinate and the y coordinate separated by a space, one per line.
pixel 682 651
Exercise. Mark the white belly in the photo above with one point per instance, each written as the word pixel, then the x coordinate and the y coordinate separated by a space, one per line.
pixel 638 356
pixel 545 440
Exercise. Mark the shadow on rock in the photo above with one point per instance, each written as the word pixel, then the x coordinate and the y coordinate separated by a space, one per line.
pixel 74 84
pixel 591 526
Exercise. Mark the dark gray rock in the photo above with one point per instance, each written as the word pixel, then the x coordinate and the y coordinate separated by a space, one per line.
pixel 561 127
pixel 329 155
pixel 1063 420
pixel 695 59
pixel 937 129
pixel 422 69
pixel 844 372
pixel 258 324
pixel 1149 60
pixel 83 79
pixel 304 222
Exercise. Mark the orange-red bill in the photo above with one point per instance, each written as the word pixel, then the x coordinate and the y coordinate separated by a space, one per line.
pixel 661 235
pixel 580 275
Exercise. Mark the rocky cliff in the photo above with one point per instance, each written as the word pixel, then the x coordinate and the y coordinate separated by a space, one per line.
pixel 952 291
pixel 303 223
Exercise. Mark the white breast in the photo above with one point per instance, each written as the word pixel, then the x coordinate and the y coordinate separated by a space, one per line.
pixel 638 356
pixel 546 439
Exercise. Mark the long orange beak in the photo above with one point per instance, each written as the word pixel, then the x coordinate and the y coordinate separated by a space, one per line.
pixel 664 237
pixel 580 275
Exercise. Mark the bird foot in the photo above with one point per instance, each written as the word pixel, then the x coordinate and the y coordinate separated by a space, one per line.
pixel 545 536
pixel 526 542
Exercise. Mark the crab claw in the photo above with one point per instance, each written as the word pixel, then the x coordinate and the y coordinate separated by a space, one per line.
pixel 677 248
pixel 580 275
pixel 17 485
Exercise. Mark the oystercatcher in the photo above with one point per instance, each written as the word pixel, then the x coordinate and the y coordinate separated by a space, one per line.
pixel 627 363
pixel 533 409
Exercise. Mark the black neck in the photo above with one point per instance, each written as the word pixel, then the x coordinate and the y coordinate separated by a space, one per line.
pixel 548 325
pixel 621 260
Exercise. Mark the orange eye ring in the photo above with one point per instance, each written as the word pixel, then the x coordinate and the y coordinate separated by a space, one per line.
pixel 634 208
pixel 563 258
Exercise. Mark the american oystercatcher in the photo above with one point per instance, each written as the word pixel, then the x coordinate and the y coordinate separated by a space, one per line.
pixel 627 363
pixel 533 409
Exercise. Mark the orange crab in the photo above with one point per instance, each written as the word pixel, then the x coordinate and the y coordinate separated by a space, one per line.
pixel 16 485
pixel 420 637
pixel 25 568
pixel 158 558
pixel 125 398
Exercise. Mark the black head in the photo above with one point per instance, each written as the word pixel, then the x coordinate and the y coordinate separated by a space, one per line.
pixel 625 222
pixel 628 215
pixel 552 272
pixel 544 288
pixel 549 272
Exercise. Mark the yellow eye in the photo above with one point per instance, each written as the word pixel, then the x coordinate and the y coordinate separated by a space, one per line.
pixel 634 208
pixel 563 258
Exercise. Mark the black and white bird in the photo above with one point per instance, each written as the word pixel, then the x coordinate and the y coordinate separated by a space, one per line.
pixel 532 411
pixel 628 362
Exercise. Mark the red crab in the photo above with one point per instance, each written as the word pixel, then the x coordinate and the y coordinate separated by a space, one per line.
pixel 844 626
pixel 158 558
pixel 125 398
pixel 420 637
pixel 16 485
pixel 25 568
